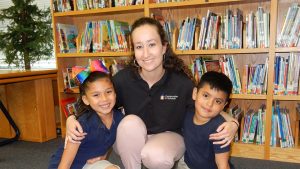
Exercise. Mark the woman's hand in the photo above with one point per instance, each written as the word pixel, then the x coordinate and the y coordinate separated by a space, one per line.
pixel 226 132
pixel 74 131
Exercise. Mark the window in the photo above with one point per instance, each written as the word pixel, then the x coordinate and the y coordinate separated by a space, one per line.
pixel 43 64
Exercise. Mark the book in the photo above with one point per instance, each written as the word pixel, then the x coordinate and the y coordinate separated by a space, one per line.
pixel 69 106
pixel 67 37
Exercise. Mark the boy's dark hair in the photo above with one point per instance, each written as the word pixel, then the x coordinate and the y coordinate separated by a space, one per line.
pixel 216 80
pixel 93 76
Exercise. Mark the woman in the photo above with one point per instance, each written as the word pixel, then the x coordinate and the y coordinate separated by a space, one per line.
pixel 155 92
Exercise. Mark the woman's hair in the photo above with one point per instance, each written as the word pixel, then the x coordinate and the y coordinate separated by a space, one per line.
pixel 93 76
pixel 171 61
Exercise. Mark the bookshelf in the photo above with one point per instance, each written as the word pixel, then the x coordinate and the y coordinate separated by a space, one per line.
pixel 178 11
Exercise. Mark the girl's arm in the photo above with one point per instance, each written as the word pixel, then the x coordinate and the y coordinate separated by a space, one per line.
pixel 222 160
pixel 68 156
pixel 74 133
pixel 226 131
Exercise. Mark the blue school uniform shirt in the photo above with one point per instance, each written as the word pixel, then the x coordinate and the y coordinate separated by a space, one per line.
pixel 200 151
pixel 96 143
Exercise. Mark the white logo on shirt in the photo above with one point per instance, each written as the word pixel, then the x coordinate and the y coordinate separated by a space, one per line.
pixel 168 97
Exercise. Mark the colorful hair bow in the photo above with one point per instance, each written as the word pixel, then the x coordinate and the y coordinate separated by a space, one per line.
pixel 95 65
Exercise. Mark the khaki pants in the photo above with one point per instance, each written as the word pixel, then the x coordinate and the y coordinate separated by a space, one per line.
pixel 156 151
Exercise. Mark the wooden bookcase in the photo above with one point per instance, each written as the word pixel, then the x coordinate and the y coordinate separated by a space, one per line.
pixel 178 11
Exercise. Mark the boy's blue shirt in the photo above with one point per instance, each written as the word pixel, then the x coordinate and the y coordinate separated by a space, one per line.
pixel 97 141
pixel 200 151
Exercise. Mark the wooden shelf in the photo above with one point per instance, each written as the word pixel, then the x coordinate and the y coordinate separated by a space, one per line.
pixel 120 9
pixel 287 50
pixel 221 51
pixel 188 3
pixel 248 96
pixel 285 154
pixel 247 150
pixel 287 97
pixel 99 54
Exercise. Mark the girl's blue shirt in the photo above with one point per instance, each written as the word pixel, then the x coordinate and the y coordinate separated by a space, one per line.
pixel 96 143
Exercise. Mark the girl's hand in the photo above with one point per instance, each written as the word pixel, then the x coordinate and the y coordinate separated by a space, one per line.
pixel 74 131
pixel 226 132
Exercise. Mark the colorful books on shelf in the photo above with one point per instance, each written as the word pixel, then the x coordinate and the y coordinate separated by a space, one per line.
pixel 286 78
pixel 258 29
pixel 231 30
pixel 209 31
pixel 290 32
pixel 281 131
pixel 67 35
pixel 253 126
pixel 105 36
pixel 254 78
pixel 186 35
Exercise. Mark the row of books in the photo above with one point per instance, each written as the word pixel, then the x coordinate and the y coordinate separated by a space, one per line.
pixel 185 39
pixel 225 32
pixel 105 35
pixel 290 32
pixel 253 129
pixel 258 29
pixel 98 36
pixel 254 78
pixel 281 131
pixel 68 5
pixel 287 71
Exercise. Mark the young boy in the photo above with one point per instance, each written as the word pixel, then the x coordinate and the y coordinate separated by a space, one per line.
pixel 211 96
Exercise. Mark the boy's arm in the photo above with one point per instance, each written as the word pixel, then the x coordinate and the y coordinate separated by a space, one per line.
pixel 226 131
pixel 222 160
pixel 68 156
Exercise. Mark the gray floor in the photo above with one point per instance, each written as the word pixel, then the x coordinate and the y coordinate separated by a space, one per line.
pixel 29 155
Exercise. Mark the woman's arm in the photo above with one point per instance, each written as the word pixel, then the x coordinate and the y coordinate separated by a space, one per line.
pixel 74 132
pixel 226 131
pixel 222 160
pixel 68 156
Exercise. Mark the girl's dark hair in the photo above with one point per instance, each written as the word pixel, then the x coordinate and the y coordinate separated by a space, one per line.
pixel 171 61
pixel 93 76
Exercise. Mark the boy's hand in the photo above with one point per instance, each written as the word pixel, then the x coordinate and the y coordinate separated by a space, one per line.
pixel 74 131
pixel 226 132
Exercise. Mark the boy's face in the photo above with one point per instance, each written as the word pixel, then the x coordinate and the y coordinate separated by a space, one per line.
pixel 101 96
pixel 208 102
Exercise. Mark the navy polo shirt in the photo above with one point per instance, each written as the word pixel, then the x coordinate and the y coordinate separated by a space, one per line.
pixel 200 151
pixel 96 143
pixel 163 106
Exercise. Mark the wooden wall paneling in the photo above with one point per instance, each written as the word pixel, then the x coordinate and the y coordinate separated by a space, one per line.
pixel 6 130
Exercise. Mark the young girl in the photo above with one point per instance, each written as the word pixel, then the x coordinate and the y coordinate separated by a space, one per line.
pixel 98 119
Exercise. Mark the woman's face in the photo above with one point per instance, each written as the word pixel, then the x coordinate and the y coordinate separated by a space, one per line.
pixel 148 48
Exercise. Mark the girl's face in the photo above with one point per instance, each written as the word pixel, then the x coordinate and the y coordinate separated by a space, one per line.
pixel 148 48
pixel 101 96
